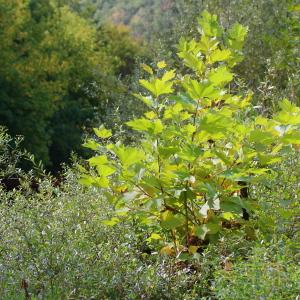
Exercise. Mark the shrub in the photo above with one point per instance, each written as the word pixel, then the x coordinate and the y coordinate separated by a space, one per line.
pixel 202 147
pixel 54 245
pixel 271 272
pixel 270 268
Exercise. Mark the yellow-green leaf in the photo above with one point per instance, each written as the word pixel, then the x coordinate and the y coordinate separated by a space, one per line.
pixel 147 68
pixel 98 160
pixel 168 75
pixel 158 127
pixel 219 55
pixel 149 85
pixel 161 64
pixel 155 236
pixel 86 180
pixel 101 182
pixel 220 76
pixel 150 115
pixel 112 222
pixel 106 170
pixel 129 155
pixel 140 124
pixel 102 132
pixel 209 24
pixel 91 144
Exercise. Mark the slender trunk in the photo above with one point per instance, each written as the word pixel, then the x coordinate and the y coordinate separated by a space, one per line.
pixel 244 193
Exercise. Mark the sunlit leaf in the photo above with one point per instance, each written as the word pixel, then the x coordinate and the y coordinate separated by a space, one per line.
pixel 147 69
pixel 98 160
pixel 91 144
pixel 112 222
pixel 106 170
pixel 140 124
pixel 129 155
pixel 169 75
pixel 161 64
pixel 219 55
pixel 102 132
pixel 220 76
pixel 209 24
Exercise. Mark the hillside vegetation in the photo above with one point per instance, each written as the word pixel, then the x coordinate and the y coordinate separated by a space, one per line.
pixel 149 149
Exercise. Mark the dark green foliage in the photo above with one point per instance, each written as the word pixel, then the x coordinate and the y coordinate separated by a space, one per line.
pixel 39 69
pixel 57 71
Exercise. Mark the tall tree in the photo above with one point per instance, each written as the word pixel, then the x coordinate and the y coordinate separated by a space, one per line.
pixel 57 71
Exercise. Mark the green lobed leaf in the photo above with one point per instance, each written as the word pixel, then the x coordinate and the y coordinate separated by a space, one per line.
pixel 106 170
pixel 129 155
pixel 236 36
pixel 157 86
pixel 151 126
pixel 220 76
pixel 192 61
pixel 169 75
pixel 140 124
pixel 219 55
pixel 91 144
pixel 98 160
pixel 209 24
pixel 171 221
pixel 102 132
pixel 199 90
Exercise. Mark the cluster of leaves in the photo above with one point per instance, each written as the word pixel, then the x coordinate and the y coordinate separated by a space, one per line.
pixel 201 148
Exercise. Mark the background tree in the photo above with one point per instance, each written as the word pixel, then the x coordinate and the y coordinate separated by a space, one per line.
pixel 57 73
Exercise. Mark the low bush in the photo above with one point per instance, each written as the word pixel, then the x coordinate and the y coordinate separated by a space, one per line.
pixel 271 269
pixel 53 245
pixel 270 272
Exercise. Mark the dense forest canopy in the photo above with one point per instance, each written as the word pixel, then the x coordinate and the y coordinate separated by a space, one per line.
pixel 57 73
